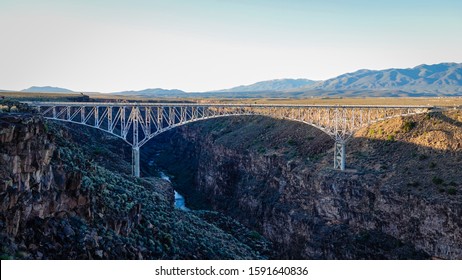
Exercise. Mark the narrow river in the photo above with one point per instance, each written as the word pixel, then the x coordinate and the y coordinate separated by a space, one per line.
pixel 179 199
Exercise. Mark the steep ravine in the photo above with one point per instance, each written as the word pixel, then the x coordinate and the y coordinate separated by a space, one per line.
pixel 401 198
pixel 64 194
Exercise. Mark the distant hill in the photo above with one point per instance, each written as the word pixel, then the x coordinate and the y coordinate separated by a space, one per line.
pixel 46 89
pixel 443 78
pixel 154 92
pixel 272 85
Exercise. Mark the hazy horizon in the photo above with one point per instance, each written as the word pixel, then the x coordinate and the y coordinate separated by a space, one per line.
pixel 109 46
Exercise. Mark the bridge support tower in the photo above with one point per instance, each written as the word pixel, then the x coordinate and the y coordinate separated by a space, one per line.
pixel 136 161
pixel 339 154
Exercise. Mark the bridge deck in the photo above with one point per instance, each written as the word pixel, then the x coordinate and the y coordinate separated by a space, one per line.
pixel 130 104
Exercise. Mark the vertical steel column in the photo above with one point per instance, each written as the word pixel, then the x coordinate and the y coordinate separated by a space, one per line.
pixel 136 161
pixel 135 126
pixel 96 109
pixel 159 117
pixel 339 149
pixel 109 119
pixel 171 116
pixel 183 114
pixel 135 147
pixel 123 131
pixel 82 114
pixel 147 120
pixel 339 154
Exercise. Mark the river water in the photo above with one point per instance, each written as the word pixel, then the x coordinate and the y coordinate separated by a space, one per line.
pixel 179 199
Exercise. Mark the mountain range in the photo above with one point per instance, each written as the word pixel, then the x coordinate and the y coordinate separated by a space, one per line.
pixel 46 89
pixel 272 85
pixel 159 92
pixel 444 79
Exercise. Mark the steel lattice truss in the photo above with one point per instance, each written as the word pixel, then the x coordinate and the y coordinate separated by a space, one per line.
pixel 137 123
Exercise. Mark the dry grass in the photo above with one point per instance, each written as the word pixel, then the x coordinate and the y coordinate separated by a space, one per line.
pixel 443 101
pixel 434 101
pixel 35 95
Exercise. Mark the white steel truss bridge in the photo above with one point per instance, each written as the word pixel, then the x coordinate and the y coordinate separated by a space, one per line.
pixel 137 123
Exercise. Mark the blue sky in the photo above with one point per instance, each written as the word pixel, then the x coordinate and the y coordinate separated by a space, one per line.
pixel 203 45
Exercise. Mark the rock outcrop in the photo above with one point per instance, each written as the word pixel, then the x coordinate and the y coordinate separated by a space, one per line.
pixel 31 187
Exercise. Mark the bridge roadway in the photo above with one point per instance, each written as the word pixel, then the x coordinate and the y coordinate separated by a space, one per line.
pixel 137 123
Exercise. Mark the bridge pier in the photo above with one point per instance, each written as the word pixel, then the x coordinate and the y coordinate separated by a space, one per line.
pixel 339 154
pixel 136 161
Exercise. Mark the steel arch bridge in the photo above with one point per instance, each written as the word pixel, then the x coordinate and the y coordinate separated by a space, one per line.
pixel 137 123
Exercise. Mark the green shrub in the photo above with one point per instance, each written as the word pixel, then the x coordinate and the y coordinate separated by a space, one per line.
pixel 255 235
pixel 261 150
pixel 423 157
pixel 291 142
pixel 6 257
pixel 452 191
pixel 408 126
pixel 437 180
pixel 413 184
pixel 98 150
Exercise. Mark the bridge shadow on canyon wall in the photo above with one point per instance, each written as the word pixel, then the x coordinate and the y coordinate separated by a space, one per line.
pixel 399 198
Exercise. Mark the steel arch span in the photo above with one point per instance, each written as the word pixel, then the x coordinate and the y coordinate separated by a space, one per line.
pixel 137 123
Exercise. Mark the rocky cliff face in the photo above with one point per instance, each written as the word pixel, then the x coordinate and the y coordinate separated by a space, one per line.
pixel 33 190
pixel 31 187
pixel 401 199
pixel 58 202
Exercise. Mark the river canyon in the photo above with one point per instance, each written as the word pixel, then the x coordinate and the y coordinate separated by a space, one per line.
pixel 399 198
pixel 254 187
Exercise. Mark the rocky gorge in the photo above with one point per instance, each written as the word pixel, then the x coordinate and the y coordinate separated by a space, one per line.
pixel 400 197
pixel 66 195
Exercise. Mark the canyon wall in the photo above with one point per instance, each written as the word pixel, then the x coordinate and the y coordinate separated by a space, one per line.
pixel 30 187
pixel 399 198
